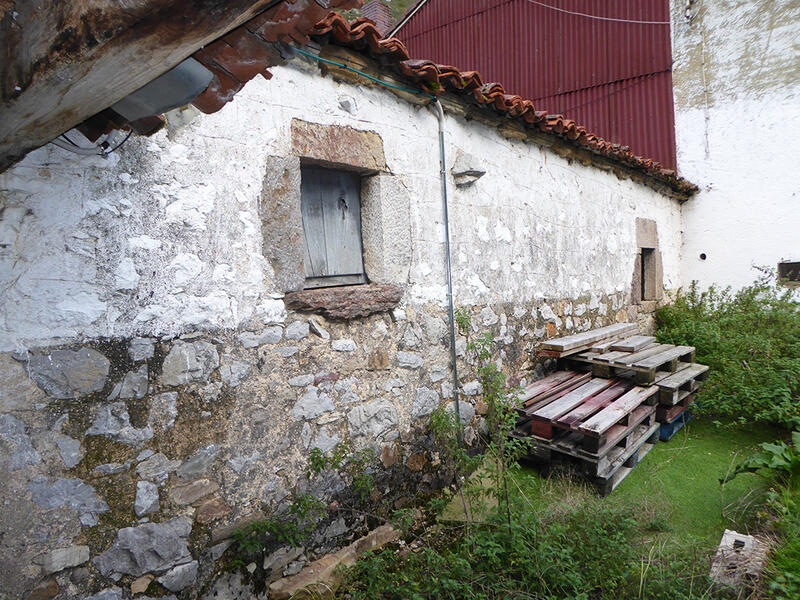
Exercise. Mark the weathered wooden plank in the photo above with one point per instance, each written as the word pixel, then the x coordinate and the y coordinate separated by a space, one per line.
pixel 66 61
pixel 677 379
pixel 550 384
pixel 634 343
pixel 610 357
pixel 664 374
pixel 574 418
pixel 568 402
pixel 607 417
pixel 629 359
pixel 545 398
pixel 620 434
pixel 604 345
pixel 589 337
pixel 659 359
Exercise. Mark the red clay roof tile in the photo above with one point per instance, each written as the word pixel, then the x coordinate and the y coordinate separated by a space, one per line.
pixel 242 54
pixel 363 36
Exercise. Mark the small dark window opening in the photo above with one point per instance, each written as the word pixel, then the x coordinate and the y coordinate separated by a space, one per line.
pixel 330 201
pixel 649 274
pixel 789 273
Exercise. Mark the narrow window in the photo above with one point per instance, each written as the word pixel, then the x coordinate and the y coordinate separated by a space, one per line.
pixel 330 202
pixel 649 274
pixel 789 273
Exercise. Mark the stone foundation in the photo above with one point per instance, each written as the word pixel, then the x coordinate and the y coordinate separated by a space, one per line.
pixel 113 447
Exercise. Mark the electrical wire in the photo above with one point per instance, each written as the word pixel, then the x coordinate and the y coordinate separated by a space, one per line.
pixel 588 16
pixel 370 77
pixel 101 149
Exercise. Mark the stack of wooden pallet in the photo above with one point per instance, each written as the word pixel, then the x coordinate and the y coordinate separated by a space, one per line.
pixel 604 425
pixel 620 392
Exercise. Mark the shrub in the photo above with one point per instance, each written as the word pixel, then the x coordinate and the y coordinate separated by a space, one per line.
pixel 751 341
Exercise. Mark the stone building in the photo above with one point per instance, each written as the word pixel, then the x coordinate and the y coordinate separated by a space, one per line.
pixel 171 350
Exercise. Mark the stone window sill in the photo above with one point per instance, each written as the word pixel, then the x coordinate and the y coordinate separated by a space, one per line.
pixel 346 302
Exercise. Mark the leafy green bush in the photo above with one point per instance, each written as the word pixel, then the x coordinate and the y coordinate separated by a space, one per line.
pixel 751 341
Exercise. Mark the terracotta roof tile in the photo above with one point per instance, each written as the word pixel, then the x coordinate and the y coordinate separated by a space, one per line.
pixel 362 35
pixel 247 51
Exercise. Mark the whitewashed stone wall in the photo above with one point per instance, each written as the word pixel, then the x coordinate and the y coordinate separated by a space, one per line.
pixel 737 116
pixel 156 389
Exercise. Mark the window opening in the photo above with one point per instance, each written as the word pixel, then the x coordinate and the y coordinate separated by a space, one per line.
pixel 789 273
pixel 330 201
pixel 648 274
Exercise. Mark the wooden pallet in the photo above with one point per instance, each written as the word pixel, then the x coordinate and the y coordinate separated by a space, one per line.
pixel 580 342
pixel 605 471
pixel 668 430
pixel 598 409
pixel 621 468
pixel 675 387
pixel 642 366
pixel 666 414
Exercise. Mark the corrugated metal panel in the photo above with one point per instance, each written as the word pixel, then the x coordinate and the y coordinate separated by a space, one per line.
pixel 612 77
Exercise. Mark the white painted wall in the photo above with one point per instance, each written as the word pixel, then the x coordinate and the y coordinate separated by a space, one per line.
pixel 737 110
pixel 164 236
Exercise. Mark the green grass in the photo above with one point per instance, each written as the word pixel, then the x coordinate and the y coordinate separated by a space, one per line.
pixel 676 485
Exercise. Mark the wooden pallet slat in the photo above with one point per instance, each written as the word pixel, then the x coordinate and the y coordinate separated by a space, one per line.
pixel 632 358
pixel 535 393
pixel 667 356
pixel 675 380
pixel 593 405
pixel 546 398
pixel 544 384
pixel 613 413
pixel 589 337
pixel 566 403
pixel 634 343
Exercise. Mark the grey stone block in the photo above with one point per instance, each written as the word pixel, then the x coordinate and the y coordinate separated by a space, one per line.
pixel 69 449
pixel 188 362
pixel 409 360
pixel 72 493
pixel 312 405
pixel 149 548
pixel 141 349
pixel 64 558
pixel 344 345
pixel 377 420
pixel 68 374
pixel 114 422
pixel 134 384
pixel 146 501
pixel 297 330
pixel 425 403
pixel 12 431
pixel 180 577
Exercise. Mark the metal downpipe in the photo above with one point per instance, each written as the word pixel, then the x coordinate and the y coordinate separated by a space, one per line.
pixel 448 267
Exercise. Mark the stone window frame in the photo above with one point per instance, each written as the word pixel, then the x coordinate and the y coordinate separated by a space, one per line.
pixel 385 203
pixel 647 285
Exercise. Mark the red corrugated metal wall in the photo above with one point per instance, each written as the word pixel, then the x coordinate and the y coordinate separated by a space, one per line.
pixel 612 77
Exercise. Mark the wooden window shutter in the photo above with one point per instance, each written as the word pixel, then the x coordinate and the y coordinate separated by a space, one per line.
pixel 331 206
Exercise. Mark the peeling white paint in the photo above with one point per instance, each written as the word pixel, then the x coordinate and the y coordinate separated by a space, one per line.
pixel 165 235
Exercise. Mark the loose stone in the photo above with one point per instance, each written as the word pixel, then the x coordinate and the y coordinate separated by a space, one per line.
pixel 141 349
pixel 134 384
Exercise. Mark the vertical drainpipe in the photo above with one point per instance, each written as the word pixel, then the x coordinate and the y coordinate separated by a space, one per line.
pixel 448 267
